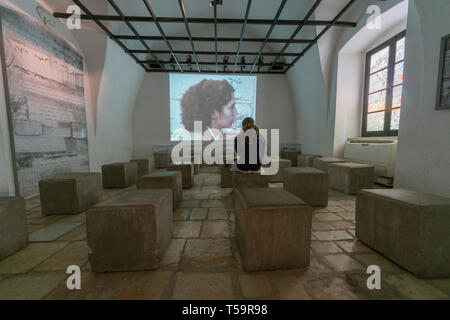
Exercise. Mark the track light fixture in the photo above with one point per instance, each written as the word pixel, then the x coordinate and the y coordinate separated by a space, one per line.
pixel 226 61
pixel 243 64
pixel 218 3
pixel 189 62
pixel 260 62
pixel 172 62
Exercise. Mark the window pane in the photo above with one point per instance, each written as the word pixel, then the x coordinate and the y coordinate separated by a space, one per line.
pixel 378 81
pixel 379 60
pixel 377 101
pixel 375 121
pixel 398 73
pixel 400 53
pixel 397 97
pixel 395 119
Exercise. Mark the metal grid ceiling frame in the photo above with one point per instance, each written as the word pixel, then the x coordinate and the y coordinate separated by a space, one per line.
pixel 176 65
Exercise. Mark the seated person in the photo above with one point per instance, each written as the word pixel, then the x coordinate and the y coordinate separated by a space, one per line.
pixel 249 146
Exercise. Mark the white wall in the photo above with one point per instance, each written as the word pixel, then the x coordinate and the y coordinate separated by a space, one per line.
pixel 423 160
pixel 119 87
pixel 309 95
pixel 314 83
pixel 6 177
pixel 112 81
pixel 349 99
pixel 274 110
pixel 351 72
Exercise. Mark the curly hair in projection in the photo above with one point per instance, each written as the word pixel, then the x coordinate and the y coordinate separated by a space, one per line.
pixel 201 100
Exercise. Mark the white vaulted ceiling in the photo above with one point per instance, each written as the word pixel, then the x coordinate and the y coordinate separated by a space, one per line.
pixel 235 9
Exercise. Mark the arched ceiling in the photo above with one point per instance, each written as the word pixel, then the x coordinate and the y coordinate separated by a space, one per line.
pixel 230 9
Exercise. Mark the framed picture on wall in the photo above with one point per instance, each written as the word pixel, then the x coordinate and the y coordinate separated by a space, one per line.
pixel 443 89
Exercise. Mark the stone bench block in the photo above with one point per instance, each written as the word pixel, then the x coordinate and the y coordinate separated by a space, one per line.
pixel 410 228
pixel 250 180
pixel 163 180
pixel 322 163
pixel 196 168
pixel 70 193
pixel 273 228
pixel 290 155
pixel 162 160
pixel 226 176
pixel 13 226
pixel 196 161
pixel 142 166
pixel 129 231
pixel 308 184
pixel 350 177
pixel 119 175
pixel 278 177
pixel 187 173
pixel 306 160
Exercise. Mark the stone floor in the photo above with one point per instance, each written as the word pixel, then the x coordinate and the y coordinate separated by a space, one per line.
pixel 203 261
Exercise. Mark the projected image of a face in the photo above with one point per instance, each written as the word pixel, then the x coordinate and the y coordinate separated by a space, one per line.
pixel 219 102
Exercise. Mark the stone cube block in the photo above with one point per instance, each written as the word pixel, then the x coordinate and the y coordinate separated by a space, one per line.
pixel 226 176
pixel 273 228
pixel 308 184
pixel 129 231
pixel 306 160
pixel 250 180
pixel 161 160
pixel 350 177
pixel 142 166
pixel 13 226
pixel 187 173
pixel 119 175
pixel 282 163
pixel 196 168
pixel 410 228
pixel 70 193
pixel 322 163
pixel 196 160
pixel 163 180
pixel 290 155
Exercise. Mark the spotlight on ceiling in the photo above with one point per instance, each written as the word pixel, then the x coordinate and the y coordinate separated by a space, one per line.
pixel 278 67
pixel 154 64
pixel 218 3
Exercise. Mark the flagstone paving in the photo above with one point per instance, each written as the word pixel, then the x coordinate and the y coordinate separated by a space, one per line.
pixel 203 260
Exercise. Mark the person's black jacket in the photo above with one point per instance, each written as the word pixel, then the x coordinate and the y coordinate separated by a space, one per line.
pixel 247 166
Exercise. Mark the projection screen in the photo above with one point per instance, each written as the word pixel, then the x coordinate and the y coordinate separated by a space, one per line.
pixel 220 102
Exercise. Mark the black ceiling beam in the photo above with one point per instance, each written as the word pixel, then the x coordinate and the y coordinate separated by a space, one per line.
pixel 64 15
pixel 269 32
pixel 109 33
pixel 297 30
pixel 186 24
pixel 157 65
pixel 244 25
pixel 213 72
pixel 120 13
pixel 222 53
pixel 161 31
pixel 208 63
pixel 211 39
pixel 347 6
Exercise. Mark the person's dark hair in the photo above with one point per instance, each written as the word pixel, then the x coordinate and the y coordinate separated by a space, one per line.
pixel 201 100
pixel 249 123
